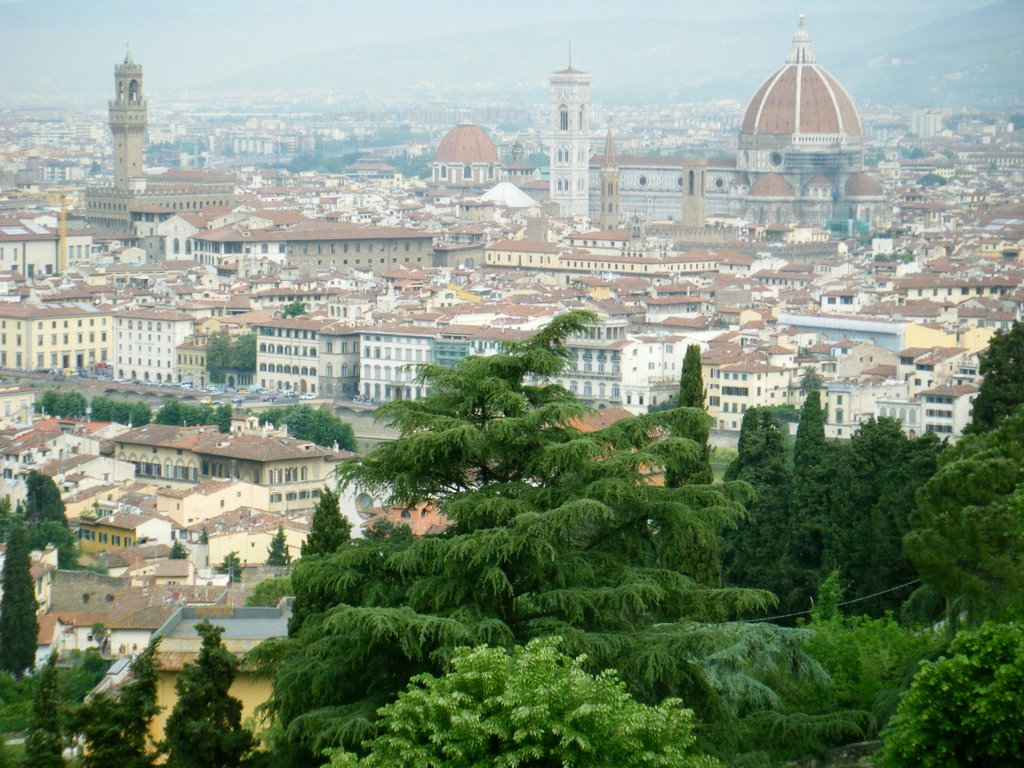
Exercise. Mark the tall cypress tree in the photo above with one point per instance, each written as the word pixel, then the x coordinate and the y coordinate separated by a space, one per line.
pixel 277 552
pixel 18 624
pixel 691 383
pixel 116 730
pixel 811 525
pixel 329 530
pixel 44 745
pixel 205 728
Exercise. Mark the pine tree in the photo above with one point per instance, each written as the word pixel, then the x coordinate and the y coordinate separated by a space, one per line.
pixel 116 730
pixel 277 552
pixel 46 518
pixel 18 624
pixel 205 728
pixel 44 744
pixel 178 551
pixel 691 383
pixel 329 531
pixel 552 532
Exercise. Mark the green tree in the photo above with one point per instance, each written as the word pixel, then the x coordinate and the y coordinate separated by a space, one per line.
pixel 225 353
pixel 205 728
pixel 329 530
pixel 552 532
pixel 530 706
pixel 753 552
pixel 232 566
pixel 63 405
pixel 18 625
pixel 270 591
pixel 811 525
pixel 47 522
pixel 295 309
pixel 277 552
pixel 44 743
pixel 318 426
pixel 965 708
pixel 810 379
pixel 691 383
pixel 178 551
pixel 135 412
pixel 115 731
pixel 1002 387
pixel 967 537
pixel 873 487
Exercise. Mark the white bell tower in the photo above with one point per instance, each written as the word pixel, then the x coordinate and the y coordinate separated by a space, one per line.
pixel 569 151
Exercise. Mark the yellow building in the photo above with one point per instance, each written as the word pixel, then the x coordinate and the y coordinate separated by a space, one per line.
pixel 249 534
pixel 54 336
pixel 192 362
pixel 119 531
pixel 191 505
pixel 17 404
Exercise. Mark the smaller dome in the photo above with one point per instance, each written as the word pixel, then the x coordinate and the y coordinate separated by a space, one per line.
pixel 466 143
pixel 863 185
pixel 771 185
pixel 820 181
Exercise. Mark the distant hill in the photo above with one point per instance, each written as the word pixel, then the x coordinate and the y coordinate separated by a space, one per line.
pixel 973 58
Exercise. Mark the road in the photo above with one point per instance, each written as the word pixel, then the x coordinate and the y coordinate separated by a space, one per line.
pixel 359 415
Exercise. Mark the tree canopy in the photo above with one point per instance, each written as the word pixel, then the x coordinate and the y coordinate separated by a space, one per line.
pixel 277 552
pixel 295 309
pixel 965 708
pixel 63 405
pixel 134 412
pixel 44 744
pixel 533 706
pixel 967 540
pixel 1002 387
pixel 552 532
pixel 226 353
pixel 316 425
pixel 178 414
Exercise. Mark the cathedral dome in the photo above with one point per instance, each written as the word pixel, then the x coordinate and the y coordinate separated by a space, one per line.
pixel 466 143
pixel 771 185
pixel 863 185
pixel 801 98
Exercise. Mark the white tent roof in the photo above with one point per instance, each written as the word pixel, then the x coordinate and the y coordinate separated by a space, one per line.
pixel 509 195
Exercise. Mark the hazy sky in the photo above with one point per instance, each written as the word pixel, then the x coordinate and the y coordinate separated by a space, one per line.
pixel 69 46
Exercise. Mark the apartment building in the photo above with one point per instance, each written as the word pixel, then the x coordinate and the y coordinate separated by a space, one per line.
pixel 146 343
pixel 54 336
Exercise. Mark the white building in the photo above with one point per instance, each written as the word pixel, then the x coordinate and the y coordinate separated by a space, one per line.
pixel 146 342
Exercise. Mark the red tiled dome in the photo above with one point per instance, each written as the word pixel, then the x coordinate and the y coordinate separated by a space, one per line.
pixel 771 185
pixel 466 143
pixel 863 185
pixel 801 98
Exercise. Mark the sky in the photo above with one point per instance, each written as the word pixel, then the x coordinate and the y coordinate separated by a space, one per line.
pixel 69 46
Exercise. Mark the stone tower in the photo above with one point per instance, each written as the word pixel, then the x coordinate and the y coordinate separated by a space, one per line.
pixel 128 122
pixel 609 175
pixel 570 140
pixel 694 194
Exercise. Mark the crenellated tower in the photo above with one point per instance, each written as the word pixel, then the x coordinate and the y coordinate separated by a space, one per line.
pixel 128 122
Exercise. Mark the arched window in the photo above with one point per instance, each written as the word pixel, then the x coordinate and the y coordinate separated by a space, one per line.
pixel 691 181
pixel 176 246
pixel 580 126
pixel 563 118
pixel 133 90
pixel 444 171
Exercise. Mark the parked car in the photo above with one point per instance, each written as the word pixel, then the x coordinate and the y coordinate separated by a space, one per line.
pixel 307 396
pixel 238 400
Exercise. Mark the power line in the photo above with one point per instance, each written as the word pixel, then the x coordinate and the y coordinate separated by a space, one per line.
pixel 839 605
